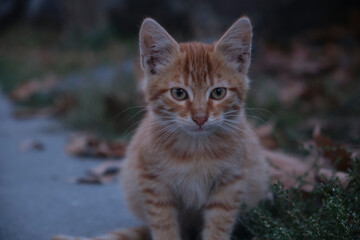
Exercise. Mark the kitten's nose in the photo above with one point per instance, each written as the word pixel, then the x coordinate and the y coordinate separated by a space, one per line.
pixel 199 119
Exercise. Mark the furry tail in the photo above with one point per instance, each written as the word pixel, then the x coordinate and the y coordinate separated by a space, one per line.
pixel 135 233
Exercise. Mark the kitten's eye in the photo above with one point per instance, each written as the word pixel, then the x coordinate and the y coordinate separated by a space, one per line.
pixel 218 93
pixel 179 93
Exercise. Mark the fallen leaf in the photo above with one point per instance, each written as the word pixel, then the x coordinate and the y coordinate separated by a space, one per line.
pixel 304 62
pixel 77 145
pixel 64 237
pixel 113 235
pixel 31 144
pixel 335 153
pixel 25 90
pixel 85 179
pixel 60 106
pixel 325 175
pixel 84 145
pixel 106 168
pixel 101 174
pixel 291 91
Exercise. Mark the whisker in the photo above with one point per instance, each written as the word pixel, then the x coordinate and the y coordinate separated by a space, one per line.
pixel 261 109
pixel 245 123
pixel 232 125
pixel 117 115
pixel 166 111
pixel 264 113
pixel 136 114
pixel 258 118
pixel 163 122
pixel 161 131
pixel 132 125
pixel 232 111
pixel 227 130
pixel 166 136
pixel 160 136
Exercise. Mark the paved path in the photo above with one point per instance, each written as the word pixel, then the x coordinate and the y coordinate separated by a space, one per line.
pixel 36 201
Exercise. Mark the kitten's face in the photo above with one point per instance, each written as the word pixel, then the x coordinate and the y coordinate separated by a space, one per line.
pixel 199 93
pixel 193 87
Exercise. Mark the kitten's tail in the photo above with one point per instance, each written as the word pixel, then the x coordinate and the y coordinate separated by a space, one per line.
pixel 135 233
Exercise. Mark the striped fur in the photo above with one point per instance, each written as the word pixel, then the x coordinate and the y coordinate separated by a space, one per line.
pixel 187 181
pixel 182 181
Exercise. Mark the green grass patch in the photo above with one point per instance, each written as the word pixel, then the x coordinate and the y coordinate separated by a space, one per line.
pixel 330 211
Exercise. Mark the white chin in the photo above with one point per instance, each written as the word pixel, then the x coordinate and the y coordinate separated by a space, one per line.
pixel 196 131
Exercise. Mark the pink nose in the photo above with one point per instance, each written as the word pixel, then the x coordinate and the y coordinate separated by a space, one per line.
pixel 200 119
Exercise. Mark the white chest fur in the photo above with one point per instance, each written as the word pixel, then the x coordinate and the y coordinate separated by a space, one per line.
pixel 191 182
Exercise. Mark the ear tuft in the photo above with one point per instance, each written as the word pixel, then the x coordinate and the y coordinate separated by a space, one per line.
pixel 157 47
pixel 235 45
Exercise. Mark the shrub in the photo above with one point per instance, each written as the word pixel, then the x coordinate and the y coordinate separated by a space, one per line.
pixel 329 211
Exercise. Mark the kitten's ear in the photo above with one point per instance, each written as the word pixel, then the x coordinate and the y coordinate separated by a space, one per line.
pixel 235 44
pixel 157 47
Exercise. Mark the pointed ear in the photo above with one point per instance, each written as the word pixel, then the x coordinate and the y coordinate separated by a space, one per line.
pixel 235 45
pixel 157 47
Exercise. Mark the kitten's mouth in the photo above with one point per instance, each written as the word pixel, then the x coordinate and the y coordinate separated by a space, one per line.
pixel 203 129
pixel 196 130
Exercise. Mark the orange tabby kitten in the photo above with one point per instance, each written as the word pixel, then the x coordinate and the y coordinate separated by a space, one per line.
pixel 194 159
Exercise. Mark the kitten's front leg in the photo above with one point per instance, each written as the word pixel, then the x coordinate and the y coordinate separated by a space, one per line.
pixel 222 208
pixel 160 207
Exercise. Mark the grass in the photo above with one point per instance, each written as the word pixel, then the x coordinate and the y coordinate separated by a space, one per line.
pixel 330 211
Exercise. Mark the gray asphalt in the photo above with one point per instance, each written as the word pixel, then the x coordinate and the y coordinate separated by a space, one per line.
pixel 36 200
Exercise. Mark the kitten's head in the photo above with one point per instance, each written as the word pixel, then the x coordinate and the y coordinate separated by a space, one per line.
pixel 193 87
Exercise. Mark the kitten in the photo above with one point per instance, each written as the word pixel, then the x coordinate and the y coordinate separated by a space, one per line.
pixel 194 160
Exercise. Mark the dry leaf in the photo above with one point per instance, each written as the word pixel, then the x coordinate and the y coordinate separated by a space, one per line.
pixel 84 145
pixel 335 153
pixel 106 168
pixel 26 90
pixel 64 237
pixel 291 91
pixel 77 145
pixel 60 106
pixel 85 179
pixel 103 173
pixel 324 175
pixel 301 60
pixel 31 144
pixel 109 236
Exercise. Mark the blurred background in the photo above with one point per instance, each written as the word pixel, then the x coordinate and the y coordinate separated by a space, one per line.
pixel 305 69
pixel 73 63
